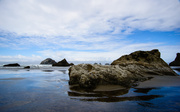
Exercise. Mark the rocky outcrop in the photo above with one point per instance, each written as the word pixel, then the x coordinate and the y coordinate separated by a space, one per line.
pixel 48 61
pixel 146 62
pixel 176 62
pixel 126 71
pixel 12 65
pixel 89 76
pixel 62 63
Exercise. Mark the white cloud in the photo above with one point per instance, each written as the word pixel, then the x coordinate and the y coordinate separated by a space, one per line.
pixel 167 53
pixel 81 18
pixel 20 58
pixel 84 27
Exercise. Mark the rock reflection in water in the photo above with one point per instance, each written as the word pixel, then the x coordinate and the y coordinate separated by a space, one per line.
pixel 63 71
pixel 120 99
pixel 144 90
pixel 109 96
pixel 47 70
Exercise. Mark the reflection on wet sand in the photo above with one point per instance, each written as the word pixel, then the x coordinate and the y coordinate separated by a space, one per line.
pixel 12 79
pixel 47 70
pixel 109 96
pixel 144 90
pixel 120 99
pixel 63 71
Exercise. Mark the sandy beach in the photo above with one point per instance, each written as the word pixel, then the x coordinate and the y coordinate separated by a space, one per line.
pixel 160 81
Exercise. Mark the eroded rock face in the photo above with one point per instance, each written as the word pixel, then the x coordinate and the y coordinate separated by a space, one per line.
pixel 62 63
pixel 89 76
pixel 149 60
pixel 145 58
pixel 48 61
pixel 125 71
pixel 176 62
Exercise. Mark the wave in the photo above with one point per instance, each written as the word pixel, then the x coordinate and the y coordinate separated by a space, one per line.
pixel 35 66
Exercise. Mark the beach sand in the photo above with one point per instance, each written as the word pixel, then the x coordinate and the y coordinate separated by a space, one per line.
pixel 156 81
pixel 160 81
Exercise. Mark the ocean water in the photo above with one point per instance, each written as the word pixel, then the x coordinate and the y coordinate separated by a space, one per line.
pixel 46 89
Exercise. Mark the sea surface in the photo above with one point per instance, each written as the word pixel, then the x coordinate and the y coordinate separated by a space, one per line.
pixel 46 89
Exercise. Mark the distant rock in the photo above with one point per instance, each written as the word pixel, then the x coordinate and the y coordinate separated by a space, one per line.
pixel 126 71
pixel 27 67
pixel 48 61
pixel 12 65
pixel 107 64
pixel 62 63
pixel 71 64
pixel 176 62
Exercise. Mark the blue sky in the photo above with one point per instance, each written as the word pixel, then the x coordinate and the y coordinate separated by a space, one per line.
pixel 79 30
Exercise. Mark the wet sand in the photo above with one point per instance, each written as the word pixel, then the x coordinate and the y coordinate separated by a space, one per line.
pixel 49 91
pixel 160 81
pixel 108 88
pixel 12 79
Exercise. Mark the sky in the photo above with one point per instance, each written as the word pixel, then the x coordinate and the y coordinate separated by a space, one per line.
pixel 87 30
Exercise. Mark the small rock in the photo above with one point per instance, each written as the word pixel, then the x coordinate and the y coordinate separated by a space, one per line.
pixel 27 67
pixel 71 64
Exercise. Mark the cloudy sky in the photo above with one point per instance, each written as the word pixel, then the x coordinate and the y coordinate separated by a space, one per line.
pixel 87 30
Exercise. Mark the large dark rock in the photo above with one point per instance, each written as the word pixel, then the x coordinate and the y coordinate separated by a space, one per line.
pixel 126 71
pixel 62 63
pixel 176 62
pixel 146 62
pixel 12 65
pixel 48 61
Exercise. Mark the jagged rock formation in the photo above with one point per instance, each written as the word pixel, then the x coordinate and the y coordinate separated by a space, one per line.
pixel 176 62
pixel 12 65
pixel 62 63
pixel 125 71
pixel 48 61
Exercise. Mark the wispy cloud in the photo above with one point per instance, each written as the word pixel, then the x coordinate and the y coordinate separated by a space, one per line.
pixel 81 18
pixel 79 28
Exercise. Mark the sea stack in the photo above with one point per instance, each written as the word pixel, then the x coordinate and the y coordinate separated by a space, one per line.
pixel 126 71
pixel 62 63
pixel 48 61
pixel 176 62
